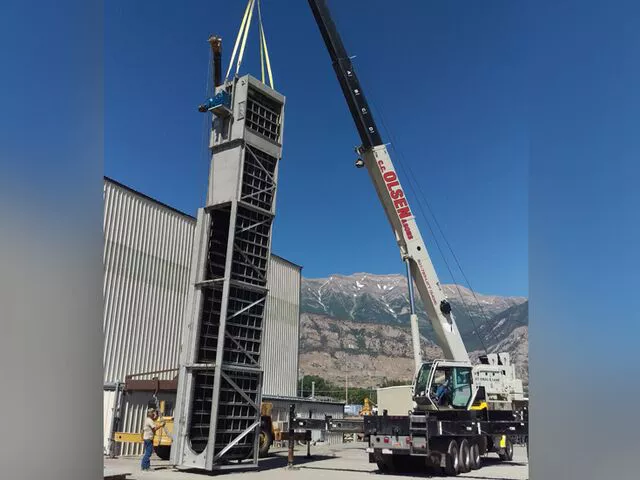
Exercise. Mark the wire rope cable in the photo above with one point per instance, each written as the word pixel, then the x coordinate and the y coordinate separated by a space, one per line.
pixel 415 189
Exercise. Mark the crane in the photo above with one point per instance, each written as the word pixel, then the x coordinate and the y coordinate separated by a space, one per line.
pixel 460 410
pixel 459 379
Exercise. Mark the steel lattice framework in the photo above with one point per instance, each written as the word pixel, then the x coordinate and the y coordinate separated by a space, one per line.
pixel 219 393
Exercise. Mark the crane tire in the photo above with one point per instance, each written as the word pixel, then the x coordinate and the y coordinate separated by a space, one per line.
pixel 452 459
pixel 476 459
pixel 386 464
pixel 465 456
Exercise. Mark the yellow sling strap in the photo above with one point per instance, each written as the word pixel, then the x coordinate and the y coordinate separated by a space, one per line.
pixel 241 42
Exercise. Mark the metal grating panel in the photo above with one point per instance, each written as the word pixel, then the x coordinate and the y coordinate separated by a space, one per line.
pixel 263 115
pixel 258 183
pixel 217 252
pixel 210 324
pixel 244 327
pixel 251 248
pixel 239 408
pixel 201 411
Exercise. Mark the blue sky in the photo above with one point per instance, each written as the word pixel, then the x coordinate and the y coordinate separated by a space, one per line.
pixel 447 77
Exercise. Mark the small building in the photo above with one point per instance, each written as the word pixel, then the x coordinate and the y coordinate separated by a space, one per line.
pixel 352 410
pixel 395 400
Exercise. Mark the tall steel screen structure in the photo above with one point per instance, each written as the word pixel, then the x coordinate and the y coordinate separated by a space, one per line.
pixel 220 384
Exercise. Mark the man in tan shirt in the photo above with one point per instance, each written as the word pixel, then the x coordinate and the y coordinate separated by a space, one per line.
pixel 149 429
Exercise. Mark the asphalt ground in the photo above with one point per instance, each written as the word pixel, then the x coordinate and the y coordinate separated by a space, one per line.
pixel 345 461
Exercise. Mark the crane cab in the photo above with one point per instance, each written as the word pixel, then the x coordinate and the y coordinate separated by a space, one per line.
pixel 449 385
pixel 444 385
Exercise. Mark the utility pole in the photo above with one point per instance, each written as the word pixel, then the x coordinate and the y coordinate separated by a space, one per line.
pixel 346 375
pixel 313 389
pixel 346 388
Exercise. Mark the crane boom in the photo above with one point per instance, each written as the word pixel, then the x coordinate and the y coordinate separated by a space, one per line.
pixel 376 159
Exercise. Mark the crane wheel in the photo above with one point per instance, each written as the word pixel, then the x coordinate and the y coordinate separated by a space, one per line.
pixel 163 451
pixel 506 454
pixel 465 456
pixel 386 464
pixel 476 459
pixel 382 466
pixel 452 459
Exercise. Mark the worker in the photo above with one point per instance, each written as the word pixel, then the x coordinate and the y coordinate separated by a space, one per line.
pixel 443 390
pixel 149 429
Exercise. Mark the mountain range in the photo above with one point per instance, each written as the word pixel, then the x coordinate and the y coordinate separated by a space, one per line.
pixel 357 326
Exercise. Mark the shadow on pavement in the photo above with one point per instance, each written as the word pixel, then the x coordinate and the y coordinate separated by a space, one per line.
pixel 272 462
pixel 496 462
pixel 281 461
pixel 429 472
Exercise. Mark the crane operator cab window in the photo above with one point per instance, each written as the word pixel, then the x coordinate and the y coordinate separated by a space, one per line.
pixel 461 394
pixel 446 386
pixel 421 387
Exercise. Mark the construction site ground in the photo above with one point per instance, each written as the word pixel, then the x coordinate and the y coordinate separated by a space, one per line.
pixel 349 461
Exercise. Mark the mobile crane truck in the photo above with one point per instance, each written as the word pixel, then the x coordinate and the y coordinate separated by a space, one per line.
pixel 461 411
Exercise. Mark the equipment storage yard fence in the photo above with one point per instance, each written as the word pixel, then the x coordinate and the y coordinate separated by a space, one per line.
pixel 220 383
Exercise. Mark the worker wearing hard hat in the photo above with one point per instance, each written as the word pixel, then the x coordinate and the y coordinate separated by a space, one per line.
pixel 149 429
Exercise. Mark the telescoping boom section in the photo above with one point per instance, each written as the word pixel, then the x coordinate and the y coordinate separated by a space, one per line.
pixel 376 159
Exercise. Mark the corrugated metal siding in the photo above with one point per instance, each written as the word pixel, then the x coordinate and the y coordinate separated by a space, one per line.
pixel 147 253
pixel 279 356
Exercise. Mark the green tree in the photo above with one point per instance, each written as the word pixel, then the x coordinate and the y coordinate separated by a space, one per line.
pixel 325 388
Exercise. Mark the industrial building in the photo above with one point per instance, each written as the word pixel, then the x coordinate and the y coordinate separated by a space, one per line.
pixel 147 254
